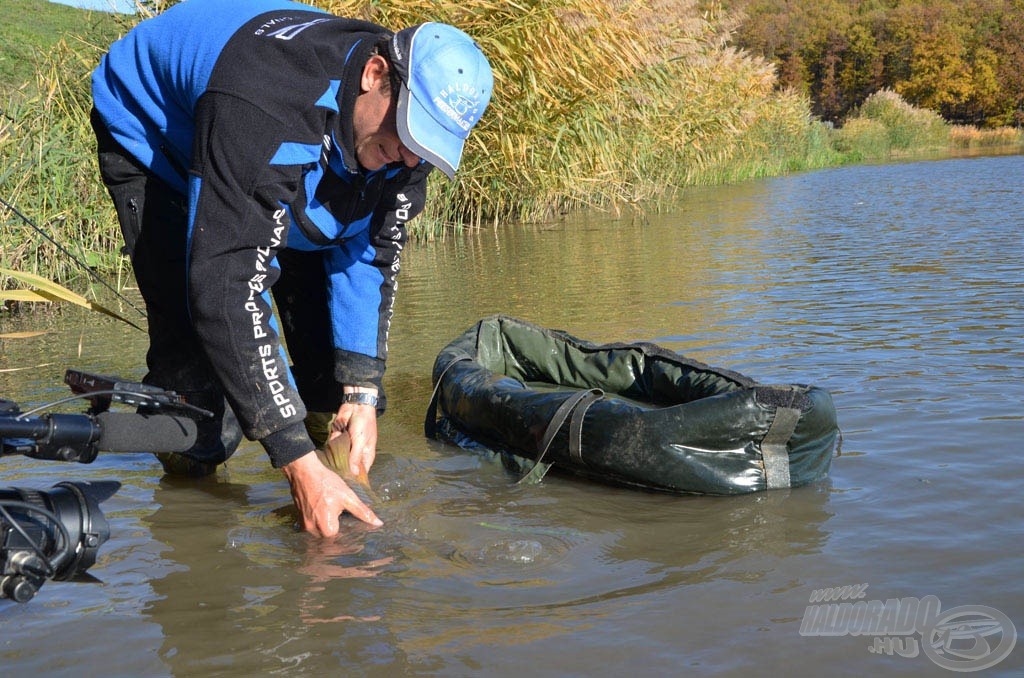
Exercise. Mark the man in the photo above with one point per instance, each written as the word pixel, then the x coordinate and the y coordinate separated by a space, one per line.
pixel 267 143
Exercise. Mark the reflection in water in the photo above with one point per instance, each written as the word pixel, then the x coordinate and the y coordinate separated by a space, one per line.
pixel 777 524
pixel 323 563
pixel 492 563
pixel 523 575
pixel 251 581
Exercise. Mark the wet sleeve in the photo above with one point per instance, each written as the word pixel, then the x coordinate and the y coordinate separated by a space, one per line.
pixel 244 172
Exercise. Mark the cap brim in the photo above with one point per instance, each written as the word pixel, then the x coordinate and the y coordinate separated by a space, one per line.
pixel 425 137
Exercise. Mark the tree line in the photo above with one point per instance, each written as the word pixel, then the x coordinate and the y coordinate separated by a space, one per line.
pixel 963 59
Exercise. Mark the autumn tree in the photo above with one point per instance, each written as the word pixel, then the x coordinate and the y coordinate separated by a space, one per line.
pixel 961 58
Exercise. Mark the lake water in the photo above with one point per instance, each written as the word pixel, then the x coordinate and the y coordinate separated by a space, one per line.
pixel 899 288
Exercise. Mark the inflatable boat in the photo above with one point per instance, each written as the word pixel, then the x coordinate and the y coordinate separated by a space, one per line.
pixel 631 414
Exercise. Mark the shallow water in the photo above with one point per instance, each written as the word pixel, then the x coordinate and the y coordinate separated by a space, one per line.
pixel 900 288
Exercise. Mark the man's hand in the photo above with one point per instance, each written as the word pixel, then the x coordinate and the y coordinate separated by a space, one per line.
pixel 360 422
pixel 321 496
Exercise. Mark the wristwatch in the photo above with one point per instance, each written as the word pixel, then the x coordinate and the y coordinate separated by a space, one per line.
pixel 360 399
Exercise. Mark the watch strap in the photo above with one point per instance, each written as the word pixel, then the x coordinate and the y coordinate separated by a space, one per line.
pixel 360 399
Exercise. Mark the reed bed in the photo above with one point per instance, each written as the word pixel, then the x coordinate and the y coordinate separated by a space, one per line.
pixel 606 104
pixel 48 172
pixel 964 136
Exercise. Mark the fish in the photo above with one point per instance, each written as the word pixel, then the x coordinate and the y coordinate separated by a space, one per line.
pixel 334 455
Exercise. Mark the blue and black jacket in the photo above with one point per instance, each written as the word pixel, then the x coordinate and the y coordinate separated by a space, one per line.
pixel 246 108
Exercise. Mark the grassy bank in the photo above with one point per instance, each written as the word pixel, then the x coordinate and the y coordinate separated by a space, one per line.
pixel 597 105
pixel 31 28
pixel 47 169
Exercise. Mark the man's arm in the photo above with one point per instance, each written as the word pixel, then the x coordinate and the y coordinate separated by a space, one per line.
pixel 237 225
pixel 363 281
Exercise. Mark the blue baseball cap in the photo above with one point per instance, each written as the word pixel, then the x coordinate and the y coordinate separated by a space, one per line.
pixel 446 85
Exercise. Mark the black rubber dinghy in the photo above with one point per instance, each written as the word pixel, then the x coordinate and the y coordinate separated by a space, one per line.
pixel 632 414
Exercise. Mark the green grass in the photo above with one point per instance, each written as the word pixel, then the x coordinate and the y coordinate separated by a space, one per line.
pixel 29 29
pixel 47 165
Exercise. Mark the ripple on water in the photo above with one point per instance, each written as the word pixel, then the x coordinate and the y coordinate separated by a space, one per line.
pixel 513 554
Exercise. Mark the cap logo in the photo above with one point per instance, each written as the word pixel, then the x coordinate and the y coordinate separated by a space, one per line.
pixel 461 103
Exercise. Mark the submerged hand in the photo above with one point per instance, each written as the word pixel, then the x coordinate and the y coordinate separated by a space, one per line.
pixel 321 496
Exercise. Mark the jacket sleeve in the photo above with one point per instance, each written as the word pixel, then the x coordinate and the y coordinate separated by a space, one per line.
pixel 362 281
pixel 243 173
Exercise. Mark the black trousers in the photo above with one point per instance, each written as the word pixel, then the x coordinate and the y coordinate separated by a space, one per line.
pixel 154 219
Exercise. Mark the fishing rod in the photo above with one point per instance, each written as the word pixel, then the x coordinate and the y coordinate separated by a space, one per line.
pixel 70 254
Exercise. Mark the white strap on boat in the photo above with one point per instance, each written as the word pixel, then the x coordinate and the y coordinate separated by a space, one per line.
pixel 774 450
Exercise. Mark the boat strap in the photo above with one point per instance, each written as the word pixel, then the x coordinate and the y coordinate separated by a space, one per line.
pixel 576 423
pixel 773 447
pixel 430 422
pixel 539 468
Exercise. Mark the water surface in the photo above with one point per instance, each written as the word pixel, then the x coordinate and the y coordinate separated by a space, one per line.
pixel 899 288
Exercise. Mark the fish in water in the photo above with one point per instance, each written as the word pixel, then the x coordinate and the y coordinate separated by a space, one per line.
pixel 334 455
